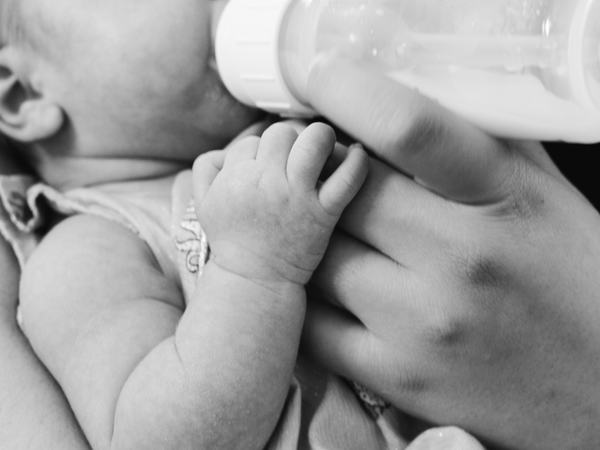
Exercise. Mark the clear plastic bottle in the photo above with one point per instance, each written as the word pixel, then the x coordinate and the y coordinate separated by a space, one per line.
pixel 517 68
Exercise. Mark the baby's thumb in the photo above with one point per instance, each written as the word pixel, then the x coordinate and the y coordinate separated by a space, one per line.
pixel 206 168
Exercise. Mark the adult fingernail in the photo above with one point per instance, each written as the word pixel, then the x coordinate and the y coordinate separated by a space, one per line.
pixel 445 438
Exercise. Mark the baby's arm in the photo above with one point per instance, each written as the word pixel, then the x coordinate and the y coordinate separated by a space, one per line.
pixel 268 220
pixel 110 330
pixel 33 411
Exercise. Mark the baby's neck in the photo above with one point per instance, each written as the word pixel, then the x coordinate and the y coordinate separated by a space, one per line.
pixel 65 173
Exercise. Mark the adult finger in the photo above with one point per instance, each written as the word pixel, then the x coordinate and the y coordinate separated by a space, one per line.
pixel 413 133
pixel 370 300
pixel 343 184
pixel 332 336
pixel 392 213
pixel 445 438
pixel 206 168
pixel 344 346
pixel 536 153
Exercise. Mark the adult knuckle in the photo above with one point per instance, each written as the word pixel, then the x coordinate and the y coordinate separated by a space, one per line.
pixel 423 131
pixel 392 130
pixel 415 134
pixel 480 268
pixel 446 331
pixel 451 320
pixel 523 186
pixel 408 381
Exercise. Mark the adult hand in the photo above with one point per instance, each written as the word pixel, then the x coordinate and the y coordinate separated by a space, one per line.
pixel 465 287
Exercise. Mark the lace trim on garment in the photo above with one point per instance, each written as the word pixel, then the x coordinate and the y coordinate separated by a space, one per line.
pixel 21 208
pixel 374 404
pixel 20 215
pixel 192 242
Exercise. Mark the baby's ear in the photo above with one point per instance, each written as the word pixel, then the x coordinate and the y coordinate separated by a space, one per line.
pixel 26 115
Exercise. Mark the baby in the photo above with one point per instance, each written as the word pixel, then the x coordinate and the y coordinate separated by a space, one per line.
pixel 110 102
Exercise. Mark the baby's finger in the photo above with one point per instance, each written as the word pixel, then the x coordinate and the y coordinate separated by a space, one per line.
pixel 206 168
pixel 335 159
pixel 275 145
pixel 336 191
pixel 242 150
pixel 309 155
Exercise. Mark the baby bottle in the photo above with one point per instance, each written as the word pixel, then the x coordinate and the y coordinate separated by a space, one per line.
pixel 527 69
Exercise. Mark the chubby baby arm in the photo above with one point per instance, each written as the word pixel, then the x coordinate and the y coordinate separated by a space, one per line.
pixel 108 324
pixel 268 219
pixel 101 316
pixel 33 412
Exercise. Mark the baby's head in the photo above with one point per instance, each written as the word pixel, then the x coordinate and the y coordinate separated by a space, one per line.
pixel 113 79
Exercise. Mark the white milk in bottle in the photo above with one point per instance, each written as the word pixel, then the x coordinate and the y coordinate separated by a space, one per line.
pixel 526 69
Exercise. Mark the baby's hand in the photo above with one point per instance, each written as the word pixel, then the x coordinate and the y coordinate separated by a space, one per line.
pixel 264 205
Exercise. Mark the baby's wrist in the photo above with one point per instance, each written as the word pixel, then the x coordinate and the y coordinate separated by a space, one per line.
pixel 257 274
pixel 264 265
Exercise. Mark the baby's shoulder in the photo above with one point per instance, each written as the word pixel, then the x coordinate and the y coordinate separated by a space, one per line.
pixel 84 233
pixel 90 255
